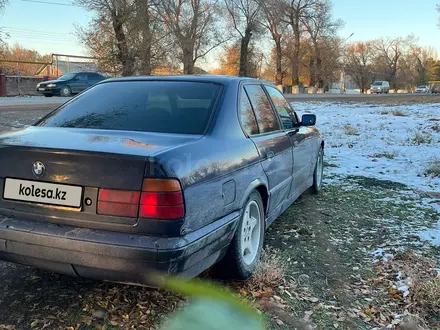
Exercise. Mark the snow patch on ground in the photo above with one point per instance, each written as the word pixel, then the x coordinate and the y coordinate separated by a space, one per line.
pixel 387 143
pixel 368 140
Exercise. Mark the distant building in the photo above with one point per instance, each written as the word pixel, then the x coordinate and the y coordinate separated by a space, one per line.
pixel 64 67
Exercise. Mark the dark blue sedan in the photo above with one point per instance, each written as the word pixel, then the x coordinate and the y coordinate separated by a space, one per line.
pixel 155 174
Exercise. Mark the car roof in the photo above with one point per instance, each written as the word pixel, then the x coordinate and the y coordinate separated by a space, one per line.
pixel 191 78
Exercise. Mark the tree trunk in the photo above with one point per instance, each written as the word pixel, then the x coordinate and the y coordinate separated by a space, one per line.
pixel 279 75
pixel 244 49
pixel 146 68
pixel 188 61
pixel 319 78
pixel 312 74
pixel 296 59
pixel 123 52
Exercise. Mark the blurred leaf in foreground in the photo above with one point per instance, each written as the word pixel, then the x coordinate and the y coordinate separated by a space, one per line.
pixel 212 308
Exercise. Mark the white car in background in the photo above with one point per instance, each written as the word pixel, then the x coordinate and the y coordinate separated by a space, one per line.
pixel 380 87
pixel 422 89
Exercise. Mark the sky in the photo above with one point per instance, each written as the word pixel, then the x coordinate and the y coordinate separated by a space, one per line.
pixel 50 28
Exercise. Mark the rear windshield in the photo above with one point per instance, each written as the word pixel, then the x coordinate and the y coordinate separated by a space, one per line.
pixel 377 83
pixel 149 106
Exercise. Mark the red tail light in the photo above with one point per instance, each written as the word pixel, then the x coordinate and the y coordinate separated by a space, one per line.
pixel 161 199
pixel 118 202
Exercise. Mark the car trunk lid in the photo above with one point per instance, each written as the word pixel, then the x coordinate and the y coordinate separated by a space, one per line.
pixel 78 162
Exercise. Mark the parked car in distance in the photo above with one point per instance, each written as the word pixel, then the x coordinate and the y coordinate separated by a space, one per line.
pixel 380 87
pixel 435 89
pixel 422 89
pixel 163 174
pixel 70 83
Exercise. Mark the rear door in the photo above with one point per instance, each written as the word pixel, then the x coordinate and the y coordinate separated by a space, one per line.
pixel 80 83
pixel 272 143
pixel 93 78
pixel 300 138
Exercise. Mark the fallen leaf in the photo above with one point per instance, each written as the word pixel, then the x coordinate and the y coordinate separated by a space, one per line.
pixel 243 292
pixel 279 322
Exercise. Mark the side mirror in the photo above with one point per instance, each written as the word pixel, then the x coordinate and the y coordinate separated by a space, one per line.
pixel 308 120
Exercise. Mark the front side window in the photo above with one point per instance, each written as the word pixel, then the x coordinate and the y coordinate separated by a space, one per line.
pixel 67 76
pixel 148 106
pixel 288 119
pixel 266 118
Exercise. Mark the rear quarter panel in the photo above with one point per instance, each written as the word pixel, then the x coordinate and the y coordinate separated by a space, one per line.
pixel 217 170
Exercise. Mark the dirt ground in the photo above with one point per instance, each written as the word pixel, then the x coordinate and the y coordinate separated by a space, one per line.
pixel 326 241
pixel 337 250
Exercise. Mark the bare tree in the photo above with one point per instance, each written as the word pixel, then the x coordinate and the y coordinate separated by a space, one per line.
pixel 193 25
pixel 117 13
pixel 295 11
pixel 358 63
pixel 3 4
pixel 272 20
pixel 438 9
pixel 388 55
pixel 244 15
pixel 320 27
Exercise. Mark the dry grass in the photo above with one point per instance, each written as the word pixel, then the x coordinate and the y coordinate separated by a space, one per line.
pixel 270 271
pixel 424 288
pixel 350 130
pixel 433 169
pixel 436 128
pixel 421 138
pixel 426 296
pixel 385 154
pixel 398 113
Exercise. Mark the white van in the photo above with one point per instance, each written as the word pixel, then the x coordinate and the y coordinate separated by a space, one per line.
pixel 380 87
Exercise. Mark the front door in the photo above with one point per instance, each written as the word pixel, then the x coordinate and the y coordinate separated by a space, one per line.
pixel 300 138
pixel 274 147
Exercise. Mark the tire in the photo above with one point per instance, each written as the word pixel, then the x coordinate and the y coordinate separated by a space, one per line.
pixel 65 91
pixel 239 262
pixel 48 95
pixel 318 172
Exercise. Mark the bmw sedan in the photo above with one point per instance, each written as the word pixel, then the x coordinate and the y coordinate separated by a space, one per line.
pixel 168 175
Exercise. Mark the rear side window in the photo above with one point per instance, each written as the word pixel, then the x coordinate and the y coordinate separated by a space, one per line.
pixel 95 76
pixel 149 106
pixel 266 118
pixel 247 116
pixel 288 119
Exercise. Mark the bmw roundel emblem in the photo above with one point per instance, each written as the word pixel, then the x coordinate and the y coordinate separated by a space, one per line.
pixel 38 169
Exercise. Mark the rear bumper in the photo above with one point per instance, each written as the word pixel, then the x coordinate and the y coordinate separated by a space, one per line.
pixel 113 256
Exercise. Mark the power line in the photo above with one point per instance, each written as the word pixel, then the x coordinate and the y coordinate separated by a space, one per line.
pixel 17 30
pixel 41 37
pixel 51 3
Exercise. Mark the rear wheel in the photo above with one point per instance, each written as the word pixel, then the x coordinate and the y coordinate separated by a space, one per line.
pixel 318 173
pixel 65 91
pixel 245 249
